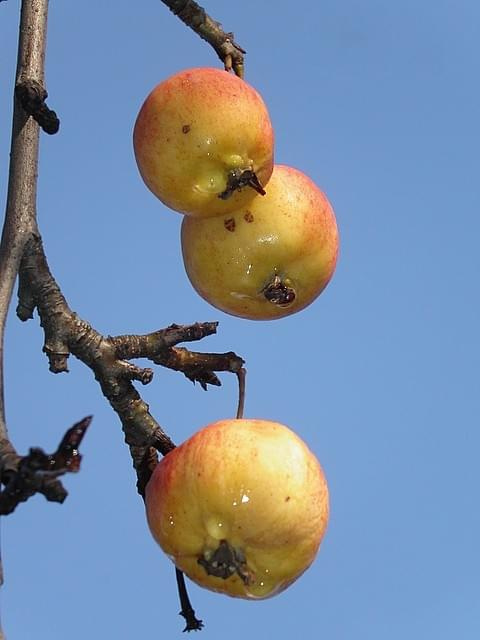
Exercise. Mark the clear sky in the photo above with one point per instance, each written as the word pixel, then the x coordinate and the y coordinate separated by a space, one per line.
pixel 378 102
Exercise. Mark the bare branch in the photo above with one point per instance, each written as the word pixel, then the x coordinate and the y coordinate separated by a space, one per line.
pixel 195 17
pixel 66 333
pixel 20 216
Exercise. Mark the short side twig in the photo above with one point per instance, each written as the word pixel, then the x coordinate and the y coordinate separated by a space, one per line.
pixel 195 17
pixel 199 367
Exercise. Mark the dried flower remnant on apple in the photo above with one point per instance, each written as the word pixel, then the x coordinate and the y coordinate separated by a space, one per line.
pixel 246 530
pixel 203 142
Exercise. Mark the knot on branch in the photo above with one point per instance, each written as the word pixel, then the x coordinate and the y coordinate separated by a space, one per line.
pixel 38 472
pixel 32 97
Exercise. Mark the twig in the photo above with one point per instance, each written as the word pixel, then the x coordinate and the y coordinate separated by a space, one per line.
pixel 195 17
pixel 20 216
pixel 200 367
pixel 38 472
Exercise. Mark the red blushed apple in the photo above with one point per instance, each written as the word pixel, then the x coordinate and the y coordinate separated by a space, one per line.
pixel 203 142
pixel 241 507
pixel 269 258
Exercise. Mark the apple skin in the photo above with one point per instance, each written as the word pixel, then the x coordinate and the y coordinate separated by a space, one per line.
pixel 192 130
pixel 290 235
pixel 248 485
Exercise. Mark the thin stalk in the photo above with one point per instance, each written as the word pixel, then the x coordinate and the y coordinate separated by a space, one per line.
pixel 241 376
pixel 20 217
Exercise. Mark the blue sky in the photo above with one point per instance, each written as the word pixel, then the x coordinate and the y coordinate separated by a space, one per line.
pixel 378 102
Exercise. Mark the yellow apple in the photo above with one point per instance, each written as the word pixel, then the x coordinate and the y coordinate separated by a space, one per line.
pixel 241 507
pixel 269 258
pixel 203 142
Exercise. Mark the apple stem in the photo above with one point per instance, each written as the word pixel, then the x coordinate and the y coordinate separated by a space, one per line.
pixel 241 376
pixel 193 624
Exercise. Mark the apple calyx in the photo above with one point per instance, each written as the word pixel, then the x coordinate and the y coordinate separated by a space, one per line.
pixel 237 179
pixel 279 292
pixel 225 561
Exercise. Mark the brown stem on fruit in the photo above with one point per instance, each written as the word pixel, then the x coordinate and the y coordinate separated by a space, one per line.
pixel 238 179
pixel 195 17
pixel 38 472
pixel 187 611
pixel 241 377
pixel 279 292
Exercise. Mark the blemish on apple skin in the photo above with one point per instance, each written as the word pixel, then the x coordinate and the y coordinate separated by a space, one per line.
pixel 248 217
pixel 186 128
pixel 287 498
pixel 229 224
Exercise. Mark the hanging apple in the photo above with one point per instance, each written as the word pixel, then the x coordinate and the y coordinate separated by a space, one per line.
pixel 269 258
pixel 203 142
pixel 241 507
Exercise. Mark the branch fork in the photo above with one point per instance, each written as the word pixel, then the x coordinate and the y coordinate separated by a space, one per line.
pixel 108 356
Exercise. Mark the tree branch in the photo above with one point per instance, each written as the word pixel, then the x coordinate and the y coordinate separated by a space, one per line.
pixel 20 216
pixel 66 333
pixel 195 17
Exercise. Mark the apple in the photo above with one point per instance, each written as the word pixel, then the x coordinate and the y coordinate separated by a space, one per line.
pixel 240 507
pixel 203 142
pixel 271 257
